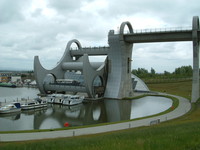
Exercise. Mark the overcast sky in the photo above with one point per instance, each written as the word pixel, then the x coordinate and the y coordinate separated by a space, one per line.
pixel 43 28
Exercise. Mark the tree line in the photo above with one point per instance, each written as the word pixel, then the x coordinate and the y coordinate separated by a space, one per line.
pixel 180 72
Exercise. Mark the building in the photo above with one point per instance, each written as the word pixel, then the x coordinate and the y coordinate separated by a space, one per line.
pixel 5 76
pixel 16 79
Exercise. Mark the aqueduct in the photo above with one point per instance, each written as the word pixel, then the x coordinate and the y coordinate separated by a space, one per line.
pixel 112 78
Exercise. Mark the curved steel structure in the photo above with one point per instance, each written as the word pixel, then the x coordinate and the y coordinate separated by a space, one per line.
pixel 46 79
pixel 115 72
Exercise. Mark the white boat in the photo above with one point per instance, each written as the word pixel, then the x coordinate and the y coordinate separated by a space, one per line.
pixel 34 104
pixel 55 98
pixel 10 108
pixel 72 99
pixel 58 99
pixel 50 98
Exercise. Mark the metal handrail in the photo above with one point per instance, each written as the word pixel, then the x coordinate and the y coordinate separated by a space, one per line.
pixel 171 29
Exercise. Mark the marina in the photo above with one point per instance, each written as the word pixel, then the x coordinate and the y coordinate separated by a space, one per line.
pixel 93 112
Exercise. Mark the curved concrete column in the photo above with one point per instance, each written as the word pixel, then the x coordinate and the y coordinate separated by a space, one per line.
pixel 195 79
pixel 121 31
pixel 57 72
pixel 119 83
pixel 89 74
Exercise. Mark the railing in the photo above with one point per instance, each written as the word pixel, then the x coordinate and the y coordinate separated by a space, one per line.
pixel 91 48
pixel 172 29
pixel 153 30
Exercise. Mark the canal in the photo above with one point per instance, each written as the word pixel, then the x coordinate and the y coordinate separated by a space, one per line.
pixel 55 116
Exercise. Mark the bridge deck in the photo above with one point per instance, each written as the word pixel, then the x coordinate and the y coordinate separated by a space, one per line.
pixel 164 36
pixel 90 51
pixel 141 36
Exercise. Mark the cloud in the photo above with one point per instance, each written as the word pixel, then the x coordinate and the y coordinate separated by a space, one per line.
pixel 11 10
pixel 43 28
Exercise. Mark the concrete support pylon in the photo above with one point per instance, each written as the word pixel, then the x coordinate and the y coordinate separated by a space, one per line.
pixel 195 78
pixel 119 83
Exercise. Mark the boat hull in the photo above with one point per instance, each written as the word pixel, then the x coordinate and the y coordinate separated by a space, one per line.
pixel 34 107
pixel 10 111
pixel 70 102
pixel 7 85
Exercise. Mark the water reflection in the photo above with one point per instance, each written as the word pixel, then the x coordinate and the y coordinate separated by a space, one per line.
pixel 14 116
pixel 85 114
pixel 149 105
pixel 117 110
pixel 10 94
pixel 78 115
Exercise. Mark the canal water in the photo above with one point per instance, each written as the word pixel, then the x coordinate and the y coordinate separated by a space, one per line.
pixel 55 116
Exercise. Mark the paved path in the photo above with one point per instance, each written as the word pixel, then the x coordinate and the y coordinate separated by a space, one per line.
pixel 184 107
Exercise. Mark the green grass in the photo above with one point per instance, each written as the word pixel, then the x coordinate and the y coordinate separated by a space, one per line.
pixel 183 88
pixel 179 134
pixel 182 136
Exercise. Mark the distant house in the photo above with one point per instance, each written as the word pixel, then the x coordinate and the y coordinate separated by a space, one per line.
pixel 16 79
pixel 5 77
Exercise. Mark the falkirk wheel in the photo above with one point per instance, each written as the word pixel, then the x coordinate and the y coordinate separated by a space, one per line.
pixel 110 79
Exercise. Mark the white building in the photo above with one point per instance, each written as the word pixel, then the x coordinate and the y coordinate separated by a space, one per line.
pixel 16 79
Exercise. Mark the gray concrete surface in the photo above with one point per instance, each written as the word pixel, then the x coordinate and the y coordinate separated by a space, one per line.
pixel 183 108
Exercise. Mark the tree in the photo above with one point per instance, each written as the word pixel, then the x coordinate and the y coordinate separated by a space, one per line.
pixel 166 73
pixel 153 72
pixel 183 71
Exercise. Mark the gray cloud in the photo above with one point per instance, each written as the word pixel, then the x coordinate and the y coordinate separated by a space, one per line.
pixel 64 5
pixel 29 28
pixel 170 11
pixel 11 10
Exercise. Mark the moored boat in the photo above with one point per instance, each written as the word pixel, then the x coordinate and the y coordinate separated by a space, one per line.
pixel 58 99
pixel 72 99
pixel 55 98
pixel 10 108
pixel 34 104
pixel 2 84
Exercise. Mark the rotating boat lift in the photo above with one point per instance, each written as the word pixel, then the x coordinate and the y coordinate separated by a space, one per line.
pixel 115 72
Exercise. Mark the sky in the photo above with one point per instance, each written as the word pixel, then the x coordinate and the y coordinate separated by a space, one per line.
pixel 44 27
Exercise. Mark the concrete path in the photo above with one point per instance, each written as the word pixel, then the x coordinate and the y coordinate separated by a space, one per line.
pixel 184 107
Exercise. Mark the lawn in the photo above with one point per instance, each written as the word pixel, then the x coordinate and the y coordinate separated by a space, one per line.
pixel 180 134
pixel 183 88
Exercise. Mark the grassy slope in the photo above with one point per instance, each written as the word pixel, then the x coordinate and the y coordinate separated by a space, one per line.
pixel 182 133
pixel 183 88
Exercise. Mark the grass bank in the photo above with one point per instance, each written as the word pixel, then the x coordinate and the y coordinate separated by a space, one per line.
pixel 179 134
pixel 183 88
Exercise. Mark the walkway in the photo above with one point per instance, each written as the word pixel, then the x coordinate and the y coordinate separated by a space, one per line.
pixel 184 107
